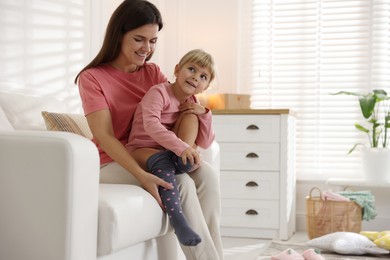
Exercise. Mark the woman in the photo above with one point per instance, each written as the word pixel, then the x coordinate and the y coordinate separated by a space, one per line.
pixel 110 88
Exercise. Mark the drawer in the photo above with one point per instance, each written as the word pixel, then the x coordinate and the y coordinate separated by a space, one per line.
pixel 247 128
pixel 254 156
pixel 249 185
pixel 250 213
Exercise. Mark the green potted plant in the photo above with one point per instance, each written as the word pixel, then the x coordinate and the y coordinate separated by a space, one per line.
pixel 375 108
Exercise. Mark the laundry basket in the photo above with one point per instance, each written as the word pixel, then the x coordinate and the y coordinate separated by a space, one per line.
pixel 328 216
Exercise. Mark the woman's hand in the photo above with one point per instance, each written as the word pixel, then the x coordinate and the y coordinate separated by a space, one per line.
pixel 192 108
pixel 151 183
pixel 101 127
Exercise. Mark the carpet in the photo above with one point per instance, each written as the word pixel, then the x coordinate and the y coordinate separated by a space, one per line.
pixel 277 247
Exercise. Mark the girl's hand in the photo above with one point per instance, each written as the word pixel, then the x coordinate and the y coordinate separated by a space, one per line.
pixel 193 108
pixel 190 154
pixel 151 184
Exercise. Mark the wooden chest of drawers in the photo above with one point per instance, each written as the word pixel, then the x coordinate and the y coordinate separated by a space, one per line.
pixel 257 172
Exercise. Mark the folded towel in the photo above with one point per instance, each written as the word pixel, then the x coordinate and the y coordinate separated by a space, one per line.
pixel 364 199
pixel 330 195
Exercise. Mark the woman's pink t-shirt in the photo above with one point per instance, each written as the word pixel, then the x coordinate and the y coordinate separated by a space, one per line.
pixel 105 87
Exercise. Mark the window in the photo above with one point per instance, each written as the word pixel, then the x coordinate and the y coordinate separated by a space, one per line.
pixel 44 44
pixel 304 50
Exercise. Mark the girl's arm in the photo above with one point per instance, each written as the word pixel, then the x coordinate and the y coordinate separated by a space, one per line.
pixel 152 106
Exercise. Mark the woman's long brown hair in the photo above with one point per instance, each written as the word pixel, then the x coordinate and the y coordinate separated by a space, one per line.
pixel 129 15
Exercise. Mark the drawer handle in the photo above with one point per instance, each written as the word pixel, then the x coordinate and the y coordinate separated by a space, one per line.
pixel 252 184
pixel 252 155
pixel 251 212
pixel 252 127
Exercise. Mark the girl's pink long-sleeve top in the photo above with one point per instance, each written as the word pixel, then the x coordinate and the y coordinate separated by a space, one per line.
pixel 156 115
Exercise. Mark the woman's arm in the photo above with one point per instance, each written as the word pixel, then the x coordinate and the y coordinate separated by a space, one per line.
pixel 102 130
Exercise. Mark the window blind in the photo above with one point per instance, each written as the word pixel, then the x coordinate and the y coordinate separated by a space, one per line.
pixel 44 44
pixel 302 51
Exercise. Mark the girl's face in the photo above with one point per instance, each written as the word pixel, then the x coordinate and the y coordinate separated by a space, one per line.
pixel 191 79
pixel 137 45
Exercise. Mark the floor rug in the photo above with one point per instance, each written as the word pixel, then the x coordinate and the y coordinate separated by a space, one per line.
pixel 277 247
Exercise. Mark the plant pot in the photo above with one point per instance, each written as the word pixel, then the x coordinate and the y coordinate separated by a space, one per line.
pixel 376 164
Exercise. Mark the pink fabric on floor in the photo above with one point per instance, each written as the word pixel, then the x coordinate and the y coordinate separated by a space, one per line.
pixel 288 254
pixel 311 254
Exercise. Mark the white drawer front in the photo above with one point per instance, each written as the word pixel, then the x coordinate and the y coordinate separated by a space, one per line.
pixel 247 128
pixel 249 185
pixel 255 157
pixel 250 213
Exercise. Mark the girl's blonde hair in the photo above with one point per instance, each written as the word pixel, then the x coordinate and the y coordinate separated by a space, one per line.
pixel 200 58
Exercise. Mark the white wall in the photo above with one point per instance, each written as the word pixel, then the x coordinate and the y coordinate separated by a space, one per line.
pixel 188 26
pixel 101 11
pixel 214 26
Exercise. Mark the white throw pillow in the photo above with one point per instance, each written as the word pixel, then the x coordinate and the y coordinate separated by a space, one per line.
pixel 24 111
pixel 346 243
pixel 5 125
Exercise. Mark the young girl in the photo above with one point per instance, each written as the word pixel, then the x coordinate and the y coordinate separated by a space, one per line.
pixel 157 145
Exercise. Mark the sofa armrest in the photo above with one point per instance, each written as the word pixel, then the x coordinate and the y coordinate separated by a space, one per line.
pixel 48 196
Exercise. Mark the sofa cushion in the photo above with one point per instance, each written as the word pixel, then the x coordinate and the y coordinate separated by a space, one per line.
pixel 127 215
pixel 73 123
pixel 24 111
pixel 4 123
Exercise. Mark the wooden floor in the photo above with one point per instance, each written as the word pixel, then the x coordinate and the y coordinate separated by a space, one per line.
pixel 249 248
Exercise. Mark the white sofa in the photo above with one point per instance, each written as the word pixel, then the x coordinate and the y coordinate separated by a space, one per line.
pixel 52 205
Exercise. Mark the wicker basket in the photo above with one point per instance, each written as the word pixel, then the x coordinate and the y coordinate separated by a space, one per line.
pixel 327 216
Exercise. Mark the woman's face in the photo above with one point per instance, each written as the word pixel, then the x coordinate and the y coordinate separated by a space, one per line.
pixel 137 45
